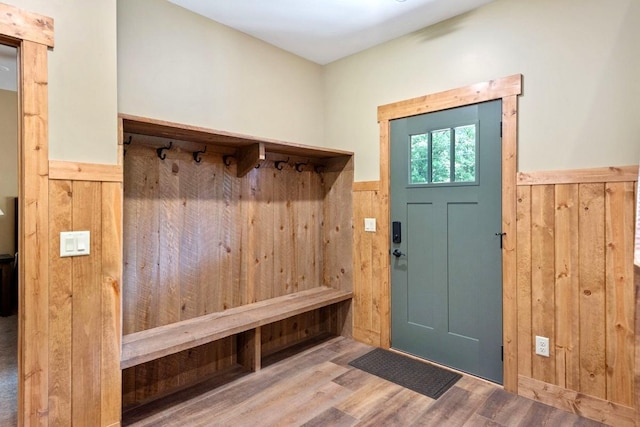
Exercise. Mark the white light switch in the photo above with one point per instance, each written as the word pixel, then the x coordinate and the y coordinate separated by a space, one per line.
pixel 370 225
pixel 74 243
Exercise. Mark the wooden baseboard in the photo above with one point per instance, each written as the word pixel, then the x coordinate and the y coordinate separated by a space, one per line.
pixel 577 403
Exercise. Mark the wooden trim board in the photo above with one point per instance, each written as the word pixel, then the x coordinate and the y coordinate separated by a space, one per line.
pixel 21 25
pixel 366 186
pixel 85 171
pixel 164 129
pixel 507 89
pixel 33 183
pixel 33 332
pixel 580 176
pixel 577 403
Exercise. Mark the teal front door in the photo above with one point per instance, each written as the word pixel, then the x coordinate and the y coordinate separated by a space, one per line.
pixel 446 262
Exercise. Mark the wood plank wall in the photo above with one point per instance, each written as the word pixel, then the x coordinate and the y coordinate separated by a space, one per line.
pixel 84 301
pixel 200 240
pixel 575 284
pixel 369 252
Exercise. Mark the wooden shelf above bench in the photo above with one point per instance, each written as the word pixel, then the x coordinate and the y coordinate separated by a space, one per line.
pixel 249 151
pixel 150 344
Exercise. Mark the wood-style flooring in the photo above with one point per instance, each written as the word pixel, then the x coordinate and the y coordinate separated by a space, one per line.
pixel 317 387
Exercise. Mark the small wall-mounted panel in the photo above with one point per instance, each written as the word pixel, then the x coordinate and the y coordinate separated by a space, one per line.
pixel 75 243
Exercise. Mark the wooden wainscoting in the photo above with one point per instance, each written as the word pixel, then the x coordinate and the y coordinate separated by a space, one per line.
pixel 574 285
pixel 369 255
pixel 84 297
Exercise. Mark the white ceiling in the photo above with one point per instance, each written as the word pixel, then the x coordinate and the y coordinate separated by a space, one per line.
pixel 326 30
pixel 8 72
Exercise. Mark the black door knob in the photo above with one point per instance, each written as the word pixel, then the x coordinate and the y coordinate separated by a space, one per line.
pixel 396 253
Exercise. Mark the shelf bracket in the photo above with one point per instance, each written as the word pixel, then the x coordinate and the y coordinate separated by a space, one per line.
pixel 249 158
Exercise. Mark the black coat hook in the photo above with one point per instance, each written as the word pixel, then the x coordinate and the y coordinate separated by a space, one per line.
pixel 279 164
pixel 300 166
pixel 161 152
pixel 196 155
pixel 127 142
pixel 226 159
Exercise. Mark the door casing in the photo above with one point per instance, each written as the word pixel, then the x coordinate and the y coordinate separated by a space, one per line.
pixel 32 34
pixel 507 89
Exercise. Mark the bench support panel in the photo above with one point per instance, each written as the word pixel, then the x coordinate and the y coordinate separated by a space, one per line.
pixel 249 349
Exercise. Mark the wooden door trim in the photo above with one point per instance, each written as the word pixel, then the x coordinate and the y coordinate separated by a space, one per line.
pixel 32 34
pixel 507 89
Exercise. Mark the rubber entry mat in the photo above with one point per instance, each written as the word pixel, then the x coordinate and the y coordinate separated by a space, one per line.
pixel 413 374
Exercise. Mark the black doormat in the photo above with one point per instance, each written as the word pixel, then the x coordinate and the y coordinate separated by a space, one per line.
pixel 413 374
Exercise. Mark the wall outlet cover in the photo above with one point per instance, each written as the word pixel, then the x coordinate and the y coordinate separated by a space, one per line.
pixel 542 346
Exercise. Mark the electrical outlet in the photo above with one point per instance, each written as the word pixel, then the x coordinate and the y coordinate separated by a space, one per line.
pixel 542 346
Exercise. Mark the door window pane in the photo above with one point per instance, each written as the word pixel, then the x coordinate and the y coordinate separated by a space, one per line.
pixel 444 156
pixel 441 164
pixel 465 153
pixel 419 159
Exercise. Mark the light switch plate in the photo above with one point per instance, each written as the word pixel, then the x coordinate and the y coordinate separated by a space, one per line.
pixel 75 243
pixel 370 225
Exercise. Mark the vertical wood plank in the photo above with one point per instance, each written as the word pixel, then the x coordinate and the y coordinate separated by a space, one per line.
pixel 285 253
pixel 87 298
pixel 509 226
pixel 523 280
pixel 230 262
pixel 592 290
pixel 111 379
pixel 567 313
pixel 385 219
pixel 208 290
pixel 189 255
pixel 60 310
pixel 542 277
pixel 337 229
pixel 380 257
pixel 620 292
pixel 33 335
pixel 168 301
pixel 132 186
pixel 363 280
pixel 302 212
pixel 248 236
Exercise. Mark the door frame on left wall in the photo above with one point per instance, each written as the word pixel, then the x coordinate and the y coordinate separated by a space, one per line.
pixel 506 89
pixel 32 35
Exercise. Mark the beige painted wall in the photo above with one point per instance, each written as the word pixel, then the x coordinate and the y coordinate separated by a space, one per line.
pixel 580 60
pixel 8 167
pixel 82 78
pixel 178 66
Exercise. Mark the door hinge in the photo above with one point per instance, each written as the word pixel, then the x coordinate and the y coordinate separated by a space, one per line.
pixel 502 353
pixel 500 129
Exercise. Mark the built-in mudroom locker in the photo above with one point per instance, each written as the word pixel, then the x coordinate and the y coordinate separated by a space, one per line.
pixel 237 251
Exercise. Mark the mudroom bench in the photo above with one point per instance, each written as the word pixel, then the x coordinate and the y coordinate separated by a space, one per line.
pixel 237 251
pixel 244 321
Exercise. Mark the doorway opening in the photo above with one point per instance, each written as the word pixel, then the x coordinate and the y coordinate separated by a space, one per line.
pixel 8 235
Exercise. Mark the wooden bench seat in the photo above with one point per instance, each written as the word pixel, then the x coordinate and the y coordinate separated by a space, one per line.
pixel 150 344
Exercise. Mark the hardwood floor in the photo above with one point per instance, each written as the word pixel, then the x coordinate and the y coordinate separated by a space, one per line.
pixel 317 387
pixel 8 371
